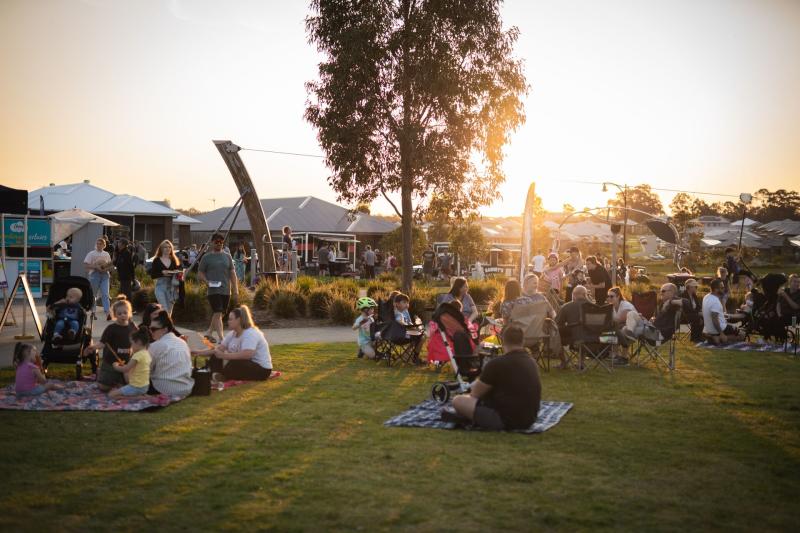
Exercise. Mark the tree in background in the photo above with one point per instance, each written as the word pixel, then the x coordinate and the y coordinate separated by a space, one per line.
pixel 414 97
pixel 683 209
pixel 640 197
pixel 362 208
pixel 781 204
pixel 467 242
pixel 393 242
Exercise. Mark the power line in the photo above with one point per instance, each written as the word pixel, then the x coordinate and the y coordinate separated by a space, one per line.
pixel 284 153
pixel 659 189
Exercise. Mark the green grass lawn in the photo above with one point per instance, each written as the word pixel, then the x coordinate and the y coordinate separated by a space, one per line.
pixel 715 445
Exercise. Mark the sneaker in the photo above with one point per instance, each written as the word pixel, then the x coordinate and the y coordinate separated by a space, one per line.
pixel 57 338
pixel 360 354
pixel 108 317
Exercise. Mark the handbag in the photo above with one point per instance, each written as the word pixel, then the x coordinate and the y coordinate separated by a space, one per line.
pixel 202 379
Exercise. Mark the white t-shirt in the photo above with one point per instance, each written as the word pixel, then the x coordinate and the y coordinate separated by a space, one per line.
pixel 94 256
pixel 251 339
pixel 538 263
pixel 624 305
pixel 712 304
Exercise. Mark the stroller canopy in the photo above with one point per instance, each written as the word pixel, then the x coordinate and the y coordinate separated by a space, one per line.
pixel 60 286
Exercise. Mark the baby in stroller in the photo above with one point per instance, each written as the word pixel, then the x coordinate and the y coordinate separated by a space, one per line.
pixel 68 314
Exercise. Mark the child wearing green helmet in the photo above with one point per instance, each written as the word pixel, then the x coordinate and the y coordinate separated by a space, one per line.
pixel 362 326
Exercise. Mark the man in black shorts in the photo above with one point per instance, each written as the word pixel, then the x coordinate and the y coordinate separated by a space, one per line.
pixel 217 271
pixel 506 396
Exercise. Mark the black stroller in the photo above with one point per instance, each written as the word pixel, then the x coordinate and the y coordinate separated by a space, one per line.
pixel 763 318
pixel 71 351
pixel 460 348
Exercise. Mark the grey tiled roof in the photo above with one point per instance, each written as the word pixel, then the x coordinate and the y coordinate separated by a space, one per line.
pixel 301 213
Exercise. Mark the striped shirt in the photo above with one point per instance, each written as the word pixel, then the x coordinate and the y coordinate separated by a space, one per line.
pixel 171 366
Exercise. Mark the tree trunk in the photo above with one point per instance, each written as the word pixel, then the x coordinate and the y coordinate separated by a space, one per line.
pixel 407 220
pixel 406 169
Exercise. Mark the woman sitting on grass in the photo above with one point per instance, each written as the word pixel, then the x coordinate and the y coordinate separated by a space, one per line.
pixel 459 290
pixel 243 353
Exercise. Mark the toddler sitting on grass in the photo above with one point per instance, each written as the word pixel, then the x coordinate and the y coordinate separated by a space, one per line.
pixel 137 369
pixel 30 380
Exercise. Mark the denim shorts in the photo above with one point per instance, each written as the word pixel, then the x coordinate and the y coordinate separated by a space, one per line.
pixel 130 390
pixel 36 391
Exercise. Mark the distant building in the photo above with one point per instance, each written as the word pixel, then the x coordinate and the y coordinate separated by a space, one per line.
pixel 140 219
pixel 313 221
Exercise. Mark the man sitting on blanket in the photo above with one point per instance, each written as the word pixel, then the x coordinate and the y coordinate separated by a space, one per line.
pixel 506 396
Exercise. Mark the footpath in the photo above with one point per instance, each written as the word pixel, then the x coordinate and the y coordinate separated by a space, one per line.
pixel 275 337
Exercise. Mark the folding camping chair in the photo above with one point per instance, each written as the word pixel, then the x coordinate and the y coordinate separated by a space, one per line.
pixel 645 303
pixel 540 333
pixel 395 342
pixel 649 345
pixel 595 336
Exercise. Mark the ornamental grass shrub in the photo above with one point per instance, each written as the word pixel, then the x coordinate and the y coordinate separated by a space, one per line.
pixel 318 301
pixel 194 307
pixel 342 309
pixel 485 291
pixel 288 295
pixel 306 284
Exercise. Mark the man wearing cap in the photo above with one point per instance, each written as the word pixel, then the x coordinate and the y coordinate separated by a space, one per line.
pixel 217 271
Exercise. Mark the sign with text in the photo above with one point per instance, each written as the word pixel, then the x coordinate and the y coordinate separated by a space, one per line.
pixel 38 232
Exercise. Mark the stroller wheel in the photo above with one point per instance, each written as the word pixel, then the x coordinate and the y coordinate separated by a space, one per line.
pixel 440 392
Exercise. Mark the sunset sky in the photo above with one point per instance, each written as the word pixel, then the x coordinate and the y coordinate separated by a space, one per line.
pixel 680 94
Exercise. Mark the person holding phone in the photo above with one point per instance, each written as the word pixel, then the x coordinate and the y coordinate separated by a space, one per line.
pixel 216 269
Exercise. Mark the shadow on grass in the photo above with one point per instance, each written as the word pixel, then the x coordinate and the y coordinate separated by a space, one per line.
pixel 308 451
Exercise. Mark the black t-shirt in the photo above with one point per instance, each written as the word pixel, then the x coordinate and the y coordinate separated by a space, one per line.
pixel 124 264
pixel 599 275
pixel 119 337
pixel 516 388
pixel 568 317
pixel 427 258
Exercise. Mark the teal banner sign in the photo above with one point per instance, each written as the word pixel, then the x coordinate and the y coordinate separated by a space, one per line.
pixel 38 232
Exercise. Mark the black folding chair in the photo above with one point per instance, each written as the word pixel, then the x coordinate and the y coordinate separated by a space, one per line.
pixel 595 336
pixel 650 348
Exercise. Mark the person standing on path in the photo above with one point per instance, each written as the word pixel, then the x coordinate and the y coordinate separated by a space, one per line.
pixel 98 264
pixel 369 262
pixel 322 259
pixel 216 270
pixel 165 264
pixel 125 268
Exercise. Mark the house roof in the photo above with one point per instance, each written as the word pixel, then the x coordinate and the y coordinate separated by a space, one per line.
pixel 782 227
pixel 186 220
pixel 302 214
pixel 95 200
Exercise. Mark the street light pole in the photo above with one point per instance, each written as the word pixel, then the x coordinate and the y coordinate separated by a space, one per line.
pixel 624 191
pixel 625 226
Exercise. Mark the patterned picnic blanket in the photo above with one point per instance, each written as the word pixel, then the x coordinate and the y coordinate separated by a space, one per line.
pixel 80 396
pixel 749 346
pixel 426 415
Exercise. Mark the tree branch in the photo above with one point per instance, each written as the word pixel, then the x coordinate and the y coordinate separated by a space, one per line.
pixel 383 192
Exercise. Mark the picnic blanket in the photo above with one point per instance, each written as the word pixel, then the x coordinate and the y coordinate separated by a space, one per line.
pixel 80 396
pixel 743 346
pixel 426 415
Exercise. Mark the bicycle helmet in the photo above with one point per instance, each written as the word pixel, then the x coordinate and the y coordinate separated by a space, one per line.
pixel 365 303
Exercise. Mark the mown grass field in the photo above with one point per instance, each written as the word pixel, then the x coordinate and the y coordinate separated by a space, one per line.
pixel 714 446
